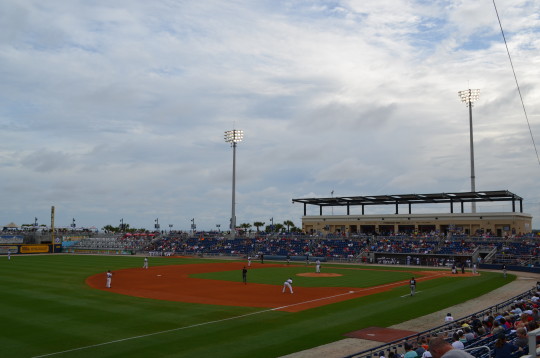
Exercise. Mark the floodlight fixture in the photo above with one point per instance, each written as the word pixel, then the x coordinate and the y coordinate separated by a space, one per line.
pixel 469 97
pixel 234 136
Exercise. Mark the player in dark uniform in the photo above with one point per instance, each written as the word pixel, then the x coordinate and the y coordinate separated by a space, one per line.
pixel 244 275
pixel 412 283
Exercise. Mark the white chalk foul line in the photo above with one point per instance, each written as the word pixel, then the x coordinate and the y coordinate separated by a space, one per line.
pixel 187 327
pixel 210 322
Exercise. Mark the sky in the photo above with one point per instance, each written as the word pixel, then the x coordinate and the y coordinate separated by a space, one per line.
pixel 116 110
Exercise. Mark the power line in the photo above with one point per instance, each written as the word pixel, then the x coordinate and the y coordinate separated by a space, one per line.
pixel 517 83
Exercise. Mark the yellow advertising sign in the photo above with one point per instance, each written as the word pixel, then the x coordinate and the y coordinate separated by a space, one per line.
pixel 32 249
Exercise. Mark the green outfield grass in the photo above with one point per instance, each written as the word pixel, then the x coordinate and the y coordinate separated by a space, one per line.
pixel 47 310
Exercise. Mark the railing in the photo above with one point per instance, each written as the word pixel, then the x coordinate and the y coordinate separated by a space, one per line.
pixel 397 344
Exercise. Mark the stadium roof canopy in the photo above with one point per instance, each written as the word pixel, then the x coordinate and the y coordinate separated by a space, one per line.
pixel 410 199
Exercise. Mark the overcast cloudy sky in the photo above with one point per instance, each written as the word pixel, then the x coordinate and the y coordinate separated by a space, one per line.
pixel 115 110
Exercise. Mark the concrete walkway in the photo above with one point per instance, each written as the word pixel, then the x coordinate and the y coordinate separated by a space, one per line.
pixel 525 281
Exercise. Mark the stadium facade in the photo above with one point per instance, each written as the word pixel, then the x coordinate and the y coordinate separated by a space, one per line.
pixel 514 222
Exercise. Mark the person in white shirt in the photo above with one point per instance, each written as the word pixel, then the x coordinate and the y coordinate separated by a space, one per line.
pixel 318 266
pixel 145 265
pixel 109 279
pixel 287 284
pixel 448 317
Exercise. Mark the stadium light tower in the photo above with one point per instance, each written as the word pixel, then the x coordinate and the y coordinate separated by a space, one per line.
pixel 469 97
pixel 233 137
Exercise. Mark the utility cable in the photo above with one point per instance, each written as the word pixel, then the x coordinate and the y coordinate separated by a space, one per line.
pixel 517 83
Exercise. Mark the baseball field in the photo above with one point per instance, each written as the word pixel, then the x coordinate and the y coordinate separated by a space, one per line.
pixel 58 306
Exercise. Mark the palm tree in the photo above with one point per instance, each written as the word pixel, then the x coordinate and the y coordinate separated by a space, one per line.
pixel 288 223
pixel 245 226
pixel 278 227
pixel 258 224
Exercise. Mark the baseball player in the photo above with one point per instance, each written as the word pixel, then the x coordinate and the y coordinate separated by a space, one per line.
pixel 412 283
pixel 287 284
pixel 249 261
pixel 145 265
pixel 109 279
pixel 8 254
pixel 244 275
pixel 318 266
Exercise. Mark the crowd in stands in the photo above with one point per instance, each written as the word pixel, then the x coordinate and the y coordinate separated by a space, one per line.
pixel 503 332
pixel 425 249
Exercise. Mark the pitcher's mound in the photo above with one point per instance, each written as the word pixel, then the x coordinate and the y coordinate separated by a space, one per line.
pixel 314 274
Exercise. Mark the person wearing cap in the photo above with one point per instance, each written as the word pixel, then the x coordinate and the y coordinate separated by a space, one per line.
pixel 502 348
pixel 448 317
pixel 440 348
pixel 412 284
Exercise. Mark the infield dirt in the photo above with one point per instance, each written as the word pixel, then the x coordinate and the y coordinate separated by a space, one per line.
pixel 173 283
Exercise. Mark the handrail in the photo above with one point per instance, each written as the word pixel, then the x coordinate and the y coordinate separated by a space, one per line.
pixel 389 345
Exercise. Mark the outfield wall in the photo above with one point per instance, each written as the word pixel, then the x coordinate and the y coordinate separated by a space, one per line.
pixel 15 249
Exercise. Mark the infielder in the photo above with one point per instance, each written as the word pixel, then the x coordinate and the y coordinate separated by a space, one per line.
pixel 145 265
pixel 412 283
pixel 287 284
pixel 109 279
pixel 249 261
pixel 318 266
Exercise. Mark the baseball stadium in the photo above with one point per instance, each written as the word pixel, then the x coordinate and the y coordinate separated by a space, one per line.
pixel 352 293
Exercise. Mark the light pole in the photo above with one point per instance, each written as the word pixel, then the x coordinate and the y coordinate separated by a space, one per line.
pixel 122 225
pixel 73 224
pixel 156 225
pixel 193 226
pixel 469 97
pixel 233 137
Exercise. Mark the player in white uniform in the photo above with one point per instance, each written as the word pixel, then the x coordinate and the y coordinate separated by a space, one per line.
pixel 318 266
pixel 145 265
pixel 249 261
pixel 109 279
pixel 288 284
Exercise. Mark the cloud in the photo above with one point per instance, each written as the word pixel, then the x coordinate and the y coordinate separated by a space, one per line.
pixel 117 110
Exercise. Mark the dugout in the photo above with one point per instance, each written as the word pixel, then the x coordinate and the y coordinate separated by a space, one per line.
pixel 403 220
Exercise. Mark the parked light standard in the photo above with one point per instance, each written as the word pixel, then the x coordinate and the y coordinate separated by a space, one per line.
pixel 469 97
pixel 233 137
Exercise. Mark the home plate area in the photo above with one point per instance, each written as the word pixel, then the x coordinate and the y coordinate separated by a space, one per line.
pixel 380 334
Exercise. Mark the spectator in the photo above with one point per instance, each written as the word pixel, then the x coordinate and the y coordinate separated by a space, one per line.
pixel 522 341
pixel 497 328
pixel 469 336
pixel 440 348
pixel 410 352
pixel 457 344
pixel 503 349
